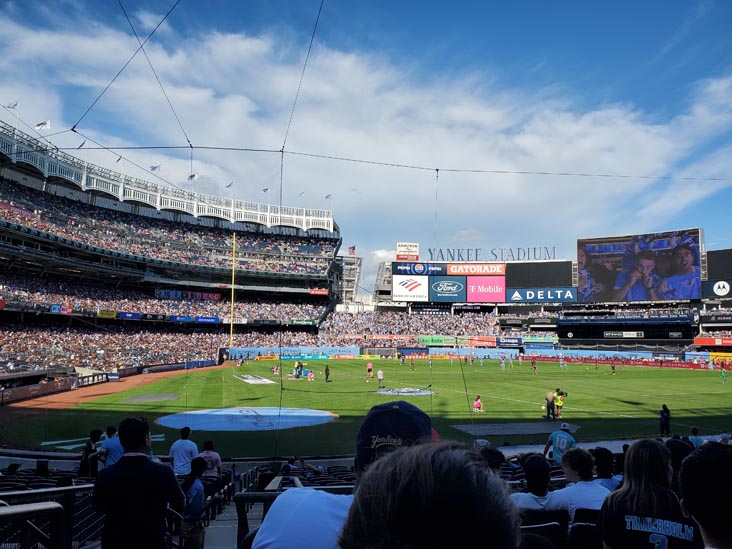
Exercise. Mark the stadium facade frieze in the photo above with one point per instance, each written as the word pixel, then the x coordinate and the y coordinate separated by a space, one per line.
pixel 529 253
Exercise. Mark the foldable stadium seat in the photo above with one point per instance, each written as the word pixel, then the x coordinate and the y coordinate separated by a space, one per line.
pixel 531 517
pixel 552 531
pixel 588 516
pixel 584 536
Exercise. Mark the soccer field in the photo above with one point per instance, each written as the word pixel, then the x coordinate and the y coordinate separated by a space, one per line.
pixel 600 405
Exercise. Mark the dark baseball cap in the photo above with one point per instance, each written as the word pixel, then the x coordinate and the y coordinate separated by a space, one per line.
pixel 390 426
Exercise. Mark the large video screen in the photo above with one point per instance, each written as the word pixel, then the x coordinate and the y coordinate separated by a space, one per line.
pixel 646 267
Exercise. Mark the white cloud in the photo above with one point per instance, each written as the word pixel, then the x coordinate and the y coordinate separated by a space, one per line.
pixel 236 90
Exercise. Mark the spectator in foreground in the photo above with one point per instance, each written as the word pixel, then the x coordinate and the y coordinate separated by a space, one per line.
pixel 695 439
pixel 89 463
pixel 644 499
pixel 213 460
pixel 134 493
pixel 604 459
pixel 111 449
pixel 679 450
pixel 582 492
pixel 309 518
pixel 182 452
pixel 707 489
pixel 537 471
pixel 431 495
pixel 192 531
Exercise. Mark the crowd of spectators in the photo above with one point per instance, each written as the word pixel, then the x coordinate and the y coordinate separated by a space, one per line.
pixel 159 239
pixel 629 313
pixel 398 323
pixel 90 296
pixel 716 333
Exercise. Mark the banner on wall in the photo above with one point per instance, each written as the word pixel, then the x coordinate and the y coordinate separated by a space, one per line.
pixel 541 295
pixel 713 341
pixel 486 289
pixel 410 288
pixel 451 289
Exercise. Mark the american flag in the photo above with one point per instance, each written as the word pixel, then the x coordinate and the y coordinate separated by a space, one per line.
pixel 352 250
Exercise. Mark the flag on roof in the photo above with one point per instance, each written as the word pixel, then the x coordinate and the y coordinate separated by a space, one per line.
pixel 328 196
pixel 44 125
pixel 13 105
pixel 265 190
pixel 352 250
pixel 230 185
pixel 155 168
pixel 193 177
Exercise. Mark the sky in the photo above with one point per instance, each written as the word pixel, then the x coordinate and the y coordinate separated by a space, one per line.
pixel 442 109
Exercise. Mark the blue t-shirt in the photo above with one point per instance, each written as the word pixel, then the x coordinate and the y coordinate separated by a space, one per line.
pixel 638 291
pixel 683 286
pixel 194 501
pixel 114 451
pixel 561 442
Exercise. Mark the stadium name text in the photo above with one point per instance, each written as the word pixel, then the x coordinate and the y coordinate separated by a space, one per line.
pixel 533 253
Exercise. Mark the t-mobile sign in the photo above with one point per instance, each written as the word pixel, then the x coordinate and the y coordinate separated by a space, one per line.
pixel 486 289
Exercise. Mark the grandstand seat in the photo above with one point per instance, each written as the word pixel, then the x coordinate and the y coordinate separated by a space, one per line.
pixel 248 540
pixel 552 531
pixel 588 516
pixel 584 536
pixel 531 517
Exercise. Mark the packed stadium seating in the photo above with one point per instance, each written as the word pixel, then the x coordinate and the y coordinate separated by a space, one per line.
pixel 139 236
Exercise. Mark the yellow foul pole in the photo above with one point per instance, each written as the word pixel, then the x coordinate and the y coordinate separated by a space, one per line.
pixel 233 272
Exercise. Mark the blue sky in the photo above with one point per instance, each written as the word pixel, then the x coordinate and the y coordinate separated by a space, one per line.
pixel 626 88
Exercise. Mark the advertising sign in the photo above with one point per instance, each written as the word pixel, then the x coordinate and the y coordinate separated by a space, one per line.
pixel 623 335
pixel 410 288
pixel 645 267
pixel 106 313
pixel 717 289
pixel 319 291
pixel 713 341
pixel 451 289
pixel 180 318
pixel 407 251
pixel 508 342
pixel 541 295
pixel 129 316
pixel 486 289
pixel 207 319
pixel 419 268
pixel 476 268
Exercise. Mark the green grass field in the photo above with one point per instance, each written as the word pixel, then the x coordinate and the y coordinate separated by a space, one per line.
pixel 604 406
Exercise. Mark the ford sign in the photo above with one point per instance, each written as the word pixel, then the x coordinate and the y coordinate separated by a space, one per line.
pixel 448 286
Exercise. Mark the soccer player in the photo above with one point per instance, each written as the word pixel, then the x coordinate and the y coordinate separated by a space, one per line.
pixel 559 402
pixel 380 377
pixel 612 367
pixel 723 373
pixel 411 363
pixel 369 371
pixel 533 366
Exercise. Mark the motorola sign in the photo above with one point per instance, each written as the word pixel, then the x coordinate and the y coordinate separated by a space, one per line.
pixel 717 289
pixel 721 288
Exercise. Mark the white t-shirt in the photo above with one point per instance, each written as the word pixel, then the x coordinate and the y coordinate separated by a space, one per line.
pixel 182 452
pixel 530 501
pixel 304 518
pixel 580 495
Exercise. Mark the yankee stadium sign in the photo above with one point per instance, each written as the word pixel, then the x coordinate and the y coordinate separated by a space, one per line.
pixel 533 253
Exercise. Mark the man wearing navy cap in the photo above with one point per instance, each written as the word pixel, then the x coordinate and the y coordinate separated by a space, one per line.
pixel 305 517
